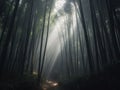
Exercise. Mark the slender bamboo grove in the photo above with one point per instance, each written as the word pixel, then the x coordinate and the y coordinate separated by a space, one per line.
pixel 58 39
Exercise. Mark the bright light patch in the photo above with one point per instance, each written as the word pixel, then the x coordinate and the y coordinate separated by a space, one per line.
pixel 55 84
pixel 59 4
pixel 20 2
pixel 35 73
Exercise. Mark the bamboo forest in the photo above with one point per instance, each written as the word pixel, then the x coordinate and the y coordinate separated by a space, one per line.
pixel 59 44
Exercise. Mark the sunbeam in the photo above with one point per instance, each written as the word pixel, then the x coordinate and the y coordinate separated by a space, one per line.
pixel 59 29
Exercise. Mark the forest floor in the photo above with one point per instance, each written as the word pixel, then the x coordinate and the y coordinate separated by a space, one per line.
pixel 109 79
pixel 12 82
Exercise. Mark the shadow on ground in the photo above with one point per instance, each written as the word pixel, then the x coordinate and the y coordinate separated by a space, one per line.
pixel 109 79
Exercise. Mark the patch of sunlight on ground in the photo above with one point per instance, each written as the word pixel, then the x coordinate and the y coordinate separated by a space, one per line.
pixel 49 84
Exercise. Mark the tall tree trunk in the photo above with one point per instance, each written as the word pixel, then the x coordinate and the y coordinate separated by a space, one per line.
pixel 7 40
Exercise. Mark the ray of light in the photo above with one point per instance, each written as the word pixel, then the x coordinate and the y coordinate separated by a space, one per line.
pixel 54 44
